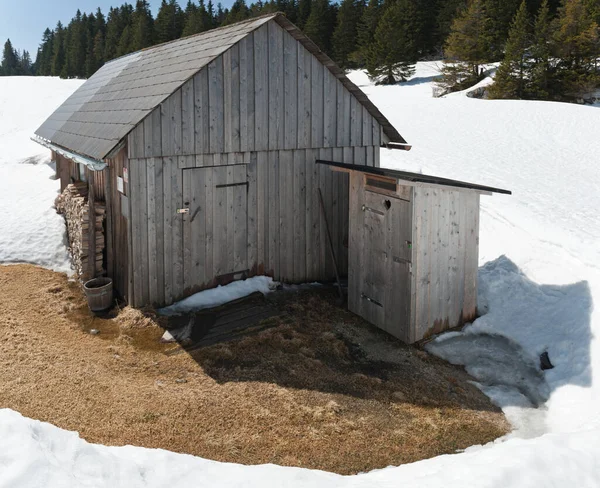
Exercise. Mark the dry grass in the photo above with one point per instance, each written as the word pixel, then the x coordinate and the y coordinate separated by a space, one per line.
pixel 320 390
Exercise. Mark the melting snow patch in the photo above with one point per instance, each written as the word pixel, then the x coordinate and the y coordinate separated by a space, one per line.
pixel 494 360
pixel 220 295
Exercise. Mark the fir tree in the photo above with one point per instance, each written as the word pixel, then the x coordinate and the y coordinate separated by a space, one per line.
pixel 576 42
pixel 345 35
pixel 142 26
pixel 394 52
pixel 446 13
pixel 540 84
pixel 58 56
pixel 366 30
pixel 125 42
pixel 25 65
pixel 43 60
pixel 467 48
pixel 10 60
pixel 169 21
pixel 499 14
pixel 320 24
pixel 513 73
pixel 303 12
pixel 239 11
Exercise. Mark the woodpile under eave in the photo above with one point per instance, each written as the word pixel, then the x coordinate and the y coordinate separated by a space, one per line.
pixel 73 204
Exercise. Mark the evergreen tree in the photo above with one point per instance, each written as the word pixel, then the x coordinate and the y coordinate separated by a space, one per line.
pixel 576 45
pixel 142 26
pixel 25 65
pixel 10 60
pixel 345 35
pixel 58 56
pixel 239 11
pixel 446 13
pixel 169 21
pixel 394 52
pixel 210 10
pixel 366 30
pixel 303 12
pixel 499 15
pixel 467 48
pixel 125 42
pixel 320 24
pixel 513 73
pixel 43 60
pixel 220 15
pixel 540 84
pixel 76 47
pixel 113 33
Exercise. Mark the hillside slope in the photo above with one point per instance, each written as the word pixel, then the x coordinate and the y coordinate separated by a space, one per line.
pixel 538 283
pixel 30 230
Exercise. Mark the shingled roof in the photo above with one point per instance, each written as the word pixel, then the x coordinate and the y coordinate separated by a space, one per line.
pixel 93 120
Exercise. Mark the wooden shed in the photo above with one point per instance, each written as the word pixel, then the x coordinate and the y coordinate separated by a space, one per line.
pixel 202 155
pixel 202 151
pixel 413 249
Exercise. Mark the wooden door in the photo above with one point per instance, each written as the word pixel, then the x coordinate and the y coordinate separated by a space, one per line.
pixel 385 287
pixel 215 226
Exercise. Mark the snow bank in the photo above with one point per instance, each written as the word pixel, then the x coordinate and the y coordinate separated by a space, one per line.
pixel 220 295
pixel 35 454
pixel 30 230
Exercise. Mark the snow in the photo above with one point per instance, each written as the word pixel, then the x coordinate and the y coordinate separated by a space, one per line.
pixel 30 230
pixel 539 280
pixel 220 295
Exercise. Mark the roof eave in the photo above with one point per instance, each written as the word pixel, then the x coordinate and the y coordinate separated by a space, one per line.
pixel 92 164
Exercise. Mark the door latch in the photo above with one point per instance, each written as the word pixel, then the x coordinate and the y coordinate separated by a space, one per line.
pixel 183 210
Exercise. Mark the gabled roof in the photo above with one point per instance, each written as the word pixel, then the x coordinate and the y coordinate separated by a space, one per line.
pixel 93 120
pixel 414 177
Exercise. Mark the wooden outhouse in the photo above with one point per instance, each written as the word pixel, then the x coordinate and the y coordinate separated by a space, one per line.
pixel 202 152
pixel 413 249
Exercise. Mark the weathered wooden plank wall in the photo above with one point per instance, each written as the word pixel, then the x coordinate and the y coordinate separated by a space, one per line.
pixel 265 93
pixel 379 282
pixel 174 255
pixel 117 206
pixel 445 259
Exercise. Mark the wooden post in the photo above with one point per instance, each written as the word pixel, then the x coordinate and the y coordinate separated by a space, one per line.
pixel 92 227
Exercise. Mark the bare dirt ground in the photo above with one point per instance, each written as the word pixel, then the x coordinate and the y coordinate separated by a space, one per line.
pixel 321 389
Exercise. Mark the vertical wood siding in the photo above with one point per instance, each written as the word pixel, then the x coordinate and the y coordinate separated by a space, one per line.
pixel 445 259
pixel 174 255
pixel 117 210
pixel 265 93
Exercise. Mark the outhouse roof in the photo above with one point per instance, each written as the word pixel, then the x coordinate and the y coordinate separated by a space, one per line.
pixel 415 177
pixel 119 95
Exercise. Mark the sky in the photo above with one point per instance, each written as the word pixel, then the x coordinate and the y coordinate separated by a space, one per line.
pixel 24 21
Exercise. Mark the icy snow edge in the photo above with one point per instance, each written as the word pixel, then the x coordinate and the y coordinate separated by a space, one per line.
pixel 220 295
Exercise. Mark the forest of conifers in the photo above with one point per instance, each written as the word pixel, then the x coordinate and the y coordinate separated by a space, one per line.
pixel 553 44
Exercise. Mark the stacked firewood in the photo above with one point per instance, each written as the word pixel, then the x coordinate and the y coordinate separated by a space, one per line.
pixel 73 204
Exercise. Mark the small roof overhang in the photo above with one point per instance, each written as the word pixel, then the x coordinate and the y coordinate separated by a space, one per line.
pixel 92 164
pixel 414 177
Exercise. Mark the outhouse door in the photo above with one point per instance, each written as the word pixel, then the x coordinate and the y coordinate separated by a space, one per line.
pixel 215 229
pixel 386 262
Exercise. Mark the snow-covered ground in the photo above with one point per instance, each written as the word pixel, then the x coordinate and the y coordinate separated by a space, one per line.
pixel 539 280
pixel 30 230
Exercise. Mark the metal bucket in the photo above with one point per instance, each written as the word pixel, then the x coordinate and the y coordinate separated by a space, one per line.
pixel 99 293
